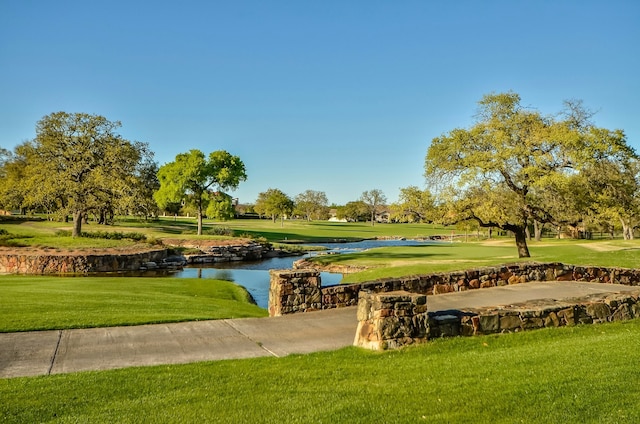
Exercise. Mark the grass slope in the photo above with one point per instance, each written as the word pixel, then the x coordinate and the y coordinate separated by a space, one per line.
pixel 44 303
pixel 585 374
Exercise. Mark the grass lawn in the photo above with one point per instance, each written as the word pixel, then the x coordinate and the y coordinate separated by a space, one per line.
pixel 584 374
pixel 440 257
pixel 45 303
pixel 42 233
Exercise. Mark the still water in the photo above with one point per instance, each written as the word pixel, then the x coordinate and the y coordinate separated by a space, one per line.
pixel 254 276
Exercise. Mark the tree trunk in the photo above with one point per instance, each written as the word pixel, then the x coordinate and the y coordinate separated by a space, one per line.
pixel 537 230
pixel 373 218
pixel 77 223
pixel 627 230
pixel 527 232
pixel 521 242
pixel 199 222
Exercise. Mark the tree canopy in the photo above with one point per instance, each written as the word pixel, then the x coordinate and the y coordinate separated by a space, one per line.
pixel 76 163
pixel 274 203
pixel 497 171
pixel 312 204
pixel 192 176
pixel 373 199
pixel 414 205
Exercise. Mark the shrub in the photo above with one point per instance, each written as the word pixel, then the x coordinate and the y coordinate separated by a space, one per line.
pixel 219 231
pixel 105 235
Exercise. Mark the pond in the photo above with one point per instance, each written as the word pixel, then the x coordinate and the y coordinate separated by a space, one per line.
pixel 254 276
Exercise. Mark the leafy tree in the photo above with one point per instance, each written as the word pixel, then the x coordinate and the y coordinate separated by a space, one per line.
pixel 274 203
pixel 373 199
pixel 312 204
pixel 615 192
pixel 353 211
pixel 5 156
pixel 220 207
pixel 192 175
pixel 76 163
pixel 415 205
pixel 510 154
pixel 139 199
pixel 11 179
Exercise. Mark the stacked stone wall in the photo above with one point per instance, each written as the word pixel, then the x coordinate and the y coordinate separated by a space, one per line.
pixel 347 294
pixel 31 263
pixel 391 320
pixel 534 315
pixel 292 291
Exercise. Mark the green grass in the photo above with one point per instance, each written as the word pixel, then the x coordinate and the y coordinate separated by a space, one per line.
pixel 45 303
pixel 441 257
pixel 42 233
pixel 584 374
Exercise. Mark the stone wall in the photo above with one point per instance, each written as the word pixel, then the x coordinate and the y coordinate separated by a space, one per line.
pixel 391 320
pixel 43 263
pixel 347 294
pixel 533 315
pixel 292 291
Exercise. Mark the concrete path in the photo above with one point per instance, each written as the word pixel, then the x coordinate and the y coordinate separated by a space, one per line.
pixel 64 351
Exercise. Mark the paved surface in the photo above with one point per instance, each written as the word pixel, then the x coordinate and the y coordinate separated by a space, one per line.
pixel 55 352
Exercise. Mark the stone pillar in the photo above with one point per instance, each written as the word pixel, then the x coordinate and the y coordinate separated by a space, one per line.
pixel 292 291
pixel 391 320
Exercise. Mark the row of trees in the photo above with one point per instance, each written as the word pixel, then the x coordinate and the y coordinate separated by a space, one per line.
pixel 514 169
pixel 79 165
pixel 313 204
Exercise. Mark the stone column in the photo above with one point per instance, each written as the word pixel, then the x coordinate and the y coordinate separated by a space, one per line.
pixel 292 291
pixel 391 320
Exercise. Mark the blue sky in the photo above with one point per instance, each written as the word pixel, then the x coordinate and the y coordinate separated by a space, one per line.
pixel 336 96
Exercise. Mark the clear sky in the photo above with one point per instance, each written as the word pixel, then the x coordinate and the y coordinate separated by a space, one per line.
pixel 336 96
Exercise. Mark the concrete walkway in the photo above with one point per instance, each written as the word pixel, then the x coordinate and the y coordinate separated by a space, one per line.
pixel 64 351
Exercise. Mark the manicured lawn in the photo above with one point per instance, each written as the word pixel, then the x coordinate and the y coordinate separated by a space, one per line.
pixel 412 260
pixel 585 374
pixel 42 233
pixel 44 303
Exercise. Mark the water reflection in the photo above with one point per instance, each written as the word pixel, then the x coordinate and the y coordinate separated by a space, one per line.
pixel 255 281
pixel 254 276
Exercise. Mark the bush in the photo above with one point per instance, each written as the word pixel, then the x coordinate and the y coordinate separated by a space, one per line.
pixel 219 231
pixel 6 239
pixel 105 235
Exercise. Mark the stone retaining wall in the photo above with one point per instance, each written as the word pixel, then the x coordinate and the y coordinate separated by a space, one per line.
pixel 31 263
pixel 292 291
pixel 391 320
pixel 347 294
pixel 533 315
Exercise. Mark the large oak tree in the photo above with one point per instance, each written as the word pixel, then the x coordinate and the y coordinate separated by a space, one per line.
pixel 496 170
pixel 77 162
